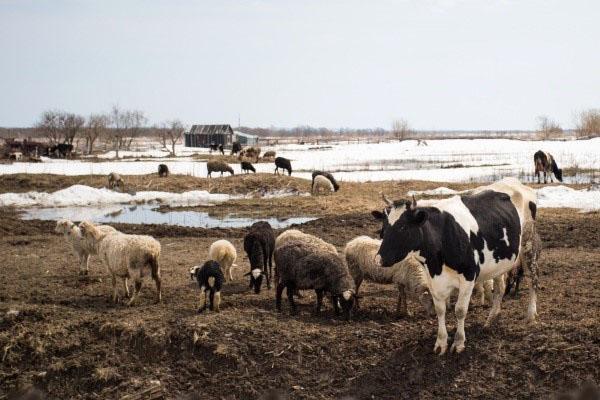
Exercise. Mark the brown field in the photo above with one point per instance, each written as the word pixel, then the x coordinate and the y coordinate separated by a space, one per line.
pixel 67 340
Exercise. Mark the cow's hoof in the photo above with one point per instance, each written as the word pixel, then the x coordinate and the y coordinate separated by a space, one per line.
pixel 440 347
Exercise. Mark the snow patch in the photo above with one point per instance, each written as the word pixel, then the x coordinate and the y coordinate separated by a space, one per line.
pixel 81 195
pixel 564 196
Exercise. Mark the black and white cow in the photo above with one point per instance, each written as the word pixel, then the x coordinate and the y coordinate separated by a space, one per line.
pixel 463 239
pixel 544 162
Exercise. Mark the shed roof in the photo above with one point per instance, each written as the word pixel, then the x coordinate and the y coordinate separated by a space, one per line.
pixel 211 129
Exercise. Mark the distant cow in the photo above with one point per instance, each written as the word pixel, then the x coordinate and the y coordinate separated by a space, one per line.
pixel 327 175
pixel 236 147
pixel 246 166
pixel 163 170
pixel 544 162
pixel 463 240
pixel 283 163
pixel 62 150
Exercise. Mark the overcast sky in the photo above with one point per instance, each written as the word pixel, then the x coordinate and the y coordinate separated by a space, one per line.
pixel 440 64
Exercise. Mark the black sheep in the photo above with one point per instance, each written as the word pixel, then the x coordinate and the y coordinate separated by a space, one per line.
pixel 301 268
pixel 236 147
pixel 259 244
pixel 283 163
pixel 246 166
pixel 210 279
pixel 327 175
pixel 163 170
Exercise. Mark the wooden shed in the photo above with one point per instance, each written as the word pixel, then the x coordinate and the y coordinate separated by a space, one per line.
pixel 205 135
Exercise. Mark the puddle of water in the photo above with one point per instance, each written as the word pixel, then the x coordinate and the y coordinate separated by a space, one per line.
pixel 149 214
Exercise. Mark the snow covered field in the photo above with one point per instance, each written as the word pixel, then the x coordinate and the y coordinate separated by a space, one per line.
pixel 450 160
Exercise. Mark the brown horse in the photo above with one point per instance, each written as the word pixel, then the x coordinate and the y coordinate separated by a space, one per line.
pixel 544 162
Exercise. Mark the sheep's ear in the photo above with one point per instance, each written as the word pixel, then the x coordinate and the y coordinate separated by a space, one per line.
pixel 378 214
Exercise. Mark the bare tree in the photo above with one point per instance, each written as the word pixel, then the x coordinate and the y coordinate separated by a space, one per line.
pixel 96 127
pixel 71 126
pixel 135 122
pixel 118 125
pixel 588 123
pixel 49 126
pixel 172 132
pixel 401 129
pixel 547 128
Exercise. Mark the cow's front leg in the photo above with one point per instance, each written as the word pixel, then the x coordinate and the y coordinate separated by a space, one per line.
pixel 441 342
pixel 460 310
pixel 497 299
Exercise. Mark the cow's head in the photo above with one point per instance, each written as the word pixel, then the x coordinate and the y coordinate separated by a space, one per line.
pixel 402 233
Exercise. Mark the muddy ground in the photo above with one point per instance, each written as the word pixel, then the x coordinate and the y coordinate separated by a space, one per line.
pixel 59 333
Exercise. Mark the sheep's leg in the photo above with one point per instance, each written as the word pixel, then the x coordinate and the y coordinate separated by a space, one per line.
pixel 279 292
pixel 115 296
pixel 202 305
pixel 441 342
pixel 336 307
pixel 136 291
pixel 319 300
pixel 155 270
pixel 211 298
pixel 401 307
pixel 497 299
pixel 125 287
pixel 357 283
pixel 83 264
pixel 217 301
pixel 465 291
pixel 290 295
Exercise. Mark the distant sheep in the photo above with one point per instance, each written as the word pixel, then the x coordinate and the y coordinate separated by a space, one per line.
pixel 299 268
pixel 327 175
pixel 218 166
pixel 126 256
pixel 115 180
pixel 83 248
pixel 163 170
pixel 223 252
pixel 283 163
pixel 210 279
pixel 321 183
pixel 246 166
pixel 409 275
pixel 252 152
pixel 269 154
pixel 259 244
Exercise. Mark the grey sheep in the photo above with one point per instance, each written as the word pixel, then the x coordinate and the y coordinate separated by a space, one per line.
pixel 218 166
pixel 299 268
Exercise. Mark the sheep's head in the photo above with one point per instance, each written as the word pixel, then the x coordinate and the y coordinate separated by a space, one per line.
pixel 89 231
pixel 193 271
pixel 63 226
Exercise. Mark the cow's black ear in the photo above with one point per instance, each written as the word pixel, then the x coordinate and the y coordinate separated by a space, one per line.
pixel 420 217
pixel 377 214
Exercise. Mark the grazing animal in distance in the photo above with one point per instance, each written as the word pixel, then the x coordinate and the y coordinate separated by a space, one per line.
pixel 221 149
pixel 236 147
pixel 15 155
pixel 327 175
pixel 269 154
pixel 210 279
pixel 163 170
pixel 115 180
pixel 223 252
pixel 463 239
pixel 126 257
pixel 259 244
pixel 302 268
pixel 82 247
pixel 544 162
pixel 321 183
pixel 283 163
pixel 247 166
pixel 62 150
pixel 213 147
pixel 218 166
pixel 252 153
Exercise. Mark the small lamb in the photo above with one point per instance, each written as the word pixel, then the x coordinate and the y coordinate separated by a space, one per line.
pixel 210 279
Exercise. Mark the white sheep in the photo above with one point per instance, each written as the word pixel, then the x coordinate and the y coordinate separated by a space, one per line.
pixel 321 182
pixel 409 275
pixel 115 180
pixel 82 247
pixel 223 252
pixel 296 235
pixel 126 256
